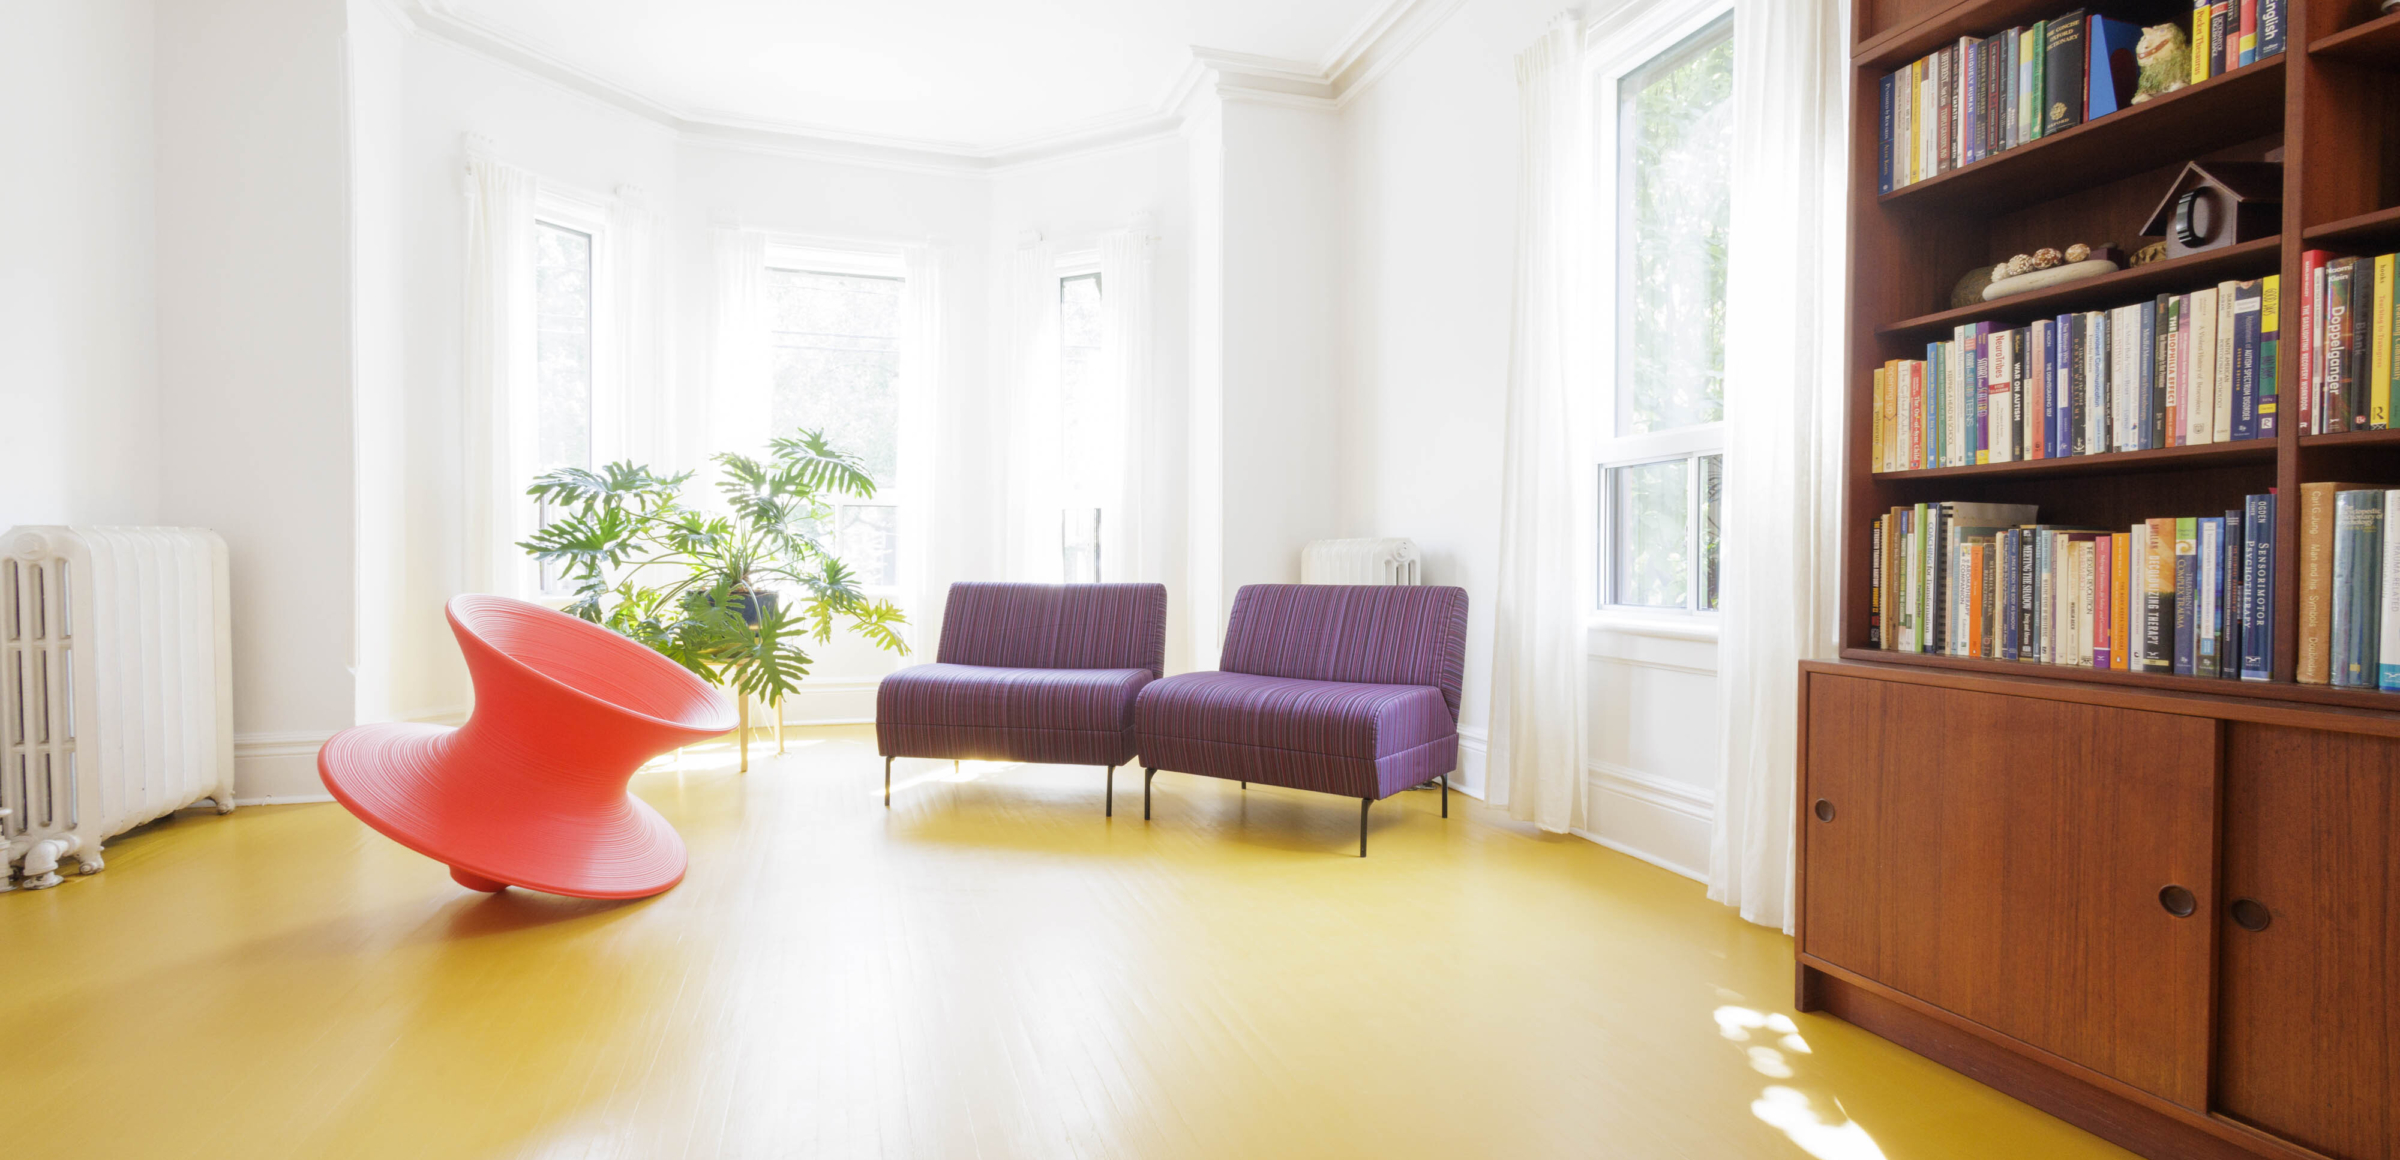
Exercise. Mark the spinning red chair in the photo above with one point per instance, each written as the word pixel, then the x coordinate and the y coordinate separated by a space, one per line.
pixel 531 790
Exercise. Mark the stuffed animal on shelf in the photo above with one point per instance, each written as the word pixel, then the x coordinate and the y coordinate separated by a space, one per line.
pixel 2164 55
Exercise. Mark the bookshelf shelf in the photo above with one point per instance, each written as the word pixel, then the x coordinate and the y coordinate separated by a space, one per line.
pixel 2110 463
pixel 2390 438
pixel 2180 125
pixel 2359 231
pixel 2243 260
pixel 2209 686
pixel 2375 43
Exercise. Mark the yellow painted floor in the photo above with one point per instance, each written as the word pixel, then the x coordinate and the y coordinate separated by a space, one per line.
pixel 989 970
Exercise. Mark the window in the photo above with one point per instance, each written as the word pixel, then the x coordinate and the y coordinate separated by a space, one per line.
pixel 563 360
pixel 1084 409
pixel 836 365
pixel 1666 138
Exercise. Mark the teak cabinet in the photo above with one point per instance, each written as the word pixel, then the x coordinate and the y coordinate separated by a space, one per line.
pixel 2171 919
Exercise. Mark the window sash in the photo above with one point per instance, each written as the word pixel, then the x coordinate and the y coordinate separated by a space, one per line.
pixel 890 493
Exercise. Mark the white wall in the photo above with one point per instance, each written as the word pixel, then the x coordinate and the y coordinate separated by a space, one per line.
pixel 254 354
pixel 1429 214
pixel 78 300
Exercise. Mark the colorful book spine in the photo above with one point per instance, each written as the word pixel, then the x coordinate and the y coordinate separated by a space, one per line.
pixel 2158 596
pixel 2380 334
pixel 2187 594
pixel 2258 604
pixel 2387 599
pixel 2120 599
pixel 2209 545
pixel 2246 322
pixel 2270 28
pixel 2270 350
pixel 2357 590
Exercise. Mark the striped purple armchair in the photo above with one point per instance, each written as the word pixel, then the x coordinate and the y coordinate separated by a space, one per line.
pixel 1342 689
pixel 1042 673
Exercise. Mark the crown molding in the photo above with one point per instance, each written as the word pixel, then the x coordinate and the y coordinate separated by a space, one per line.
pixel 1369 51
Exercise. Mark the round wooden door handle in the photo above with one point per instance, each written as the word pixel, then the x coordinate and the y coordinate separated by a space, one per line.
pixel 2178 901
pixel 1823 810
pixel 2251 915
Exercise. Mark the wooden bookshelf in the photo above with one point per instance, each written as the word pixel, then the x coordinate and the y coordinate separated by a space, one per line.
pixel 2232 1070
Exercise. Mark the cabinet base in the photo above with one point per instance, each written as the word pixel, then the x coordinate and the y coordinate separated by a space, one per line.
pixel 2104 1114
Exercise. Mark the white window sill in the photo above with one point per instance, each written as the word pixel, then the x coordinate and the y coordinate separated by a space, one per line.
pixel 1661 625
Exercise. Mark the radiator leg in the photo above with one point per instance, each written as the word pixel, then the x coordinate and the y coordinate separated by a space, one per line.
pixel 1363 803
pixel 1110 810
pixel 887 783
pixel 224 800
pixel 1445 795
pixel 39 871
pixel 89 861
pixel 1147 774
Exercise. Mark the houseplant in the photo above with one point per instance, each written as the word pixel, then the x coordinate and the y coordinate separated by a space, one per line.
pixel 730 595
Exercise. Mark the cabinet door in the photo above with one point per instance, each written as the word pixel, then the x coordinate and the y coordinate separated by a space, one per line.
pixel 2309 1018
pixel 2007 859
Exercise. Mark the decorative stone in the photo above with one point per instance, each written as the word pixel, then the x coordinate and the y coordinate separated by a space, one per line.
pixel 2022 263
pixel 2037 279
pixel 2078 252
pixel 1969 289
pixel 2044 258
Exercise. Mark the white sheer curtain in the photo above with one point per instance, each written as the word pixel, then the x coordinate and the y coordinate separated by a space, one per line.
pixel 1128 550
pixel 643 418
pixel 920 386
pixel 1032 448
pixel 1782 531
pixel 740 390
pixel 1545 589
pixel 496 379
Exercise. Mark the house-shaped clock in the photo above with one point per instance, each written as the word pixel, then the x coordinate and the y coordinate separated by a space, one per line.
pixel 2218 203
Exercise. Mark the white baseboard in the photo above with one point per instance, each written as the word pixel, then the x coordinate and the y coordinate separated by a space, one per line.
pixel 1659 820
pixel 1474 749
pixel 272 768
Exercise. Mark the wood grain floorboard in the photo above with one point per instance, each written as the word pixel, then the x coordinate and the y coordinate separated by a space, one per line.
pixel 988 970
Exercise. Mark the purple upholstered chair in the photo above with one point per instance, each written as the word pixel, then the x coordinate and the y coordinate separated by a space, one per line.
pixel 1346 689
pixel 1029 672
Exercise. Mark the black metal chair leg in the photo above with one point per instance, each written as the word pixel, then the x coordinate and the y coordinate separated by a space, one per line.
pixel 887 783
pixel 1110 810
pixel 1445 795
pixel 1363 803
pixel 1245 785
pixel 1147 774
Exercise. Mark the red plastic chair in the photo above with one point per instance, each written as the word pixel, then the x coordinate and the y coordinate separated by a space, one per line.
pixel 531 790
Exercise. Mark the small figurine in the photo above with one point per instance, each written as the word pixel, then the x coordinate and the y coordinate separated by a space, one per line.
pixel 2078 252
pixel 2155 251
pixel 2164 56
pixel 2045 258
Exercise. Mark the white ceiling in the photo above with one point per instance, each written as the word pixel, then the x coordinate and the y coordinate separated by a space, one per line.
pixel 966 75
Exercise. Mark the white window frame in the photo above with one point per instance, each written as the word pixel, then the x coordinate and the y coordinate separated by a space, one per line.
pixel 1077 263
pixel 875 260
pixel 1616 47
pixel 588 214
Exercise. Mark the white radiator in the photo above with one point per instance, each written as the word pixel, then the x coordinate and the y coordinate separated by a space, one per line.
pixel 116 702
pixel 1390 561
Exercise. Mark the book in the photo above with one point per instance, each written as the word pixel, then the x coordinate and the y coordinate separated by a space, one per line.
pixel 2158 596
pixel 2220 393
pixel 1883 132
pixel 2079 385
pixel 2379 340
pixel 2200 371
pixel 2208 545
pixel 2187 595
pixel 2258 604
pixel 2270 349
pixel 2316 580
pixel 2245 46
pixel 2119 589
pixel 2312 298
pixel 2357 591
pixel 2037 70
pixel 2245 361
pixel 2334 414
pixel 2104 613
pixel 2387 598
pixel 2362 333
pixel 2063 65
pixel 2175 345
pixel 2112 69
pixel 2270 28
pixel 2203 14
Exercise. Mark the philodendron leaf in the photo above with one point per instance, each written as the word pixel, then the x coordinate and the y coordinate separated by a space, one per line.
pixel 811 462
